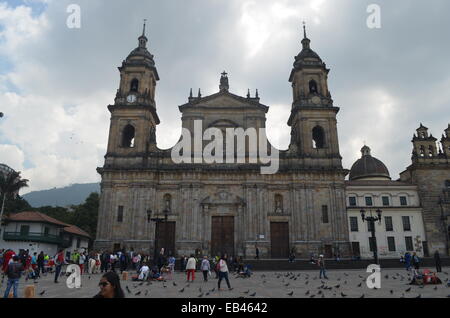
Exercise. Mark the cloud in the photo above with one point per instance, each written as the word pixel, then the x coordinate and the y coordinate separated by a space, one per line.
pixel 56 82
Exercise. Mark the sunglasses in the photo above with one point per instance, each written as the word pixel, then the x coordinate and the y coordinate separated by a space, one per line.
pixel 103 284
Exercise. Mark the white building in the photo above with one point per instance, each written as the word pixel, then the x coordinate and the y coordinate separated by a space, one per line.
pixel 401 229
pixel 38 232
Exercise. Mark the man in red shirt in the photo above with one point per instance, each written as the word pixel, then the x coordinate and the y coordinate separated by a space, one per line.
pixel 59 261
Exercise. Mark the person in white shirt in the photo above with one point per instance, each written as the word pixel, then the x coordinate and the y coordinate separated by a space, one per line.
pixel 223 272
pixel 190 267
pixel 144 272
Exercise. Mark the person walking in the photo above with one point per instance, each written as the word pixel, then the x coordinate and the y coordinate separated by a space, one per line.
pixel 190 267
pixel 321 264
pixel 172 261
pixel 59 261
pixel 416 261
pixel 205 267
pixel 257 252
pixel 407 261
pixel 14 272
pixel 437 261
pixel 40 263
pixel 223 272
pixel 81 262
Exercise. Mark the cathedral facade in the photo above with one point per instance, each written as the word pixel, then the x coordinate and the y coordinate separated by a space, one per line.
pixel 149 202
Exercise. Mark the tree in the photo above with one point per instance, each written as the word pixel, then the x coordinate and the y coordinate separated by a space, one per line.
pixel 10 184
pixel 16 205
pixel 85 215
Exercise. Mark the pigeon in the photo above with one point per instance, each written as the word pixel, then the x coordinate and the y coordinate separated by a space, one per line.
pixel 387 276
pixel 213 289
pixel 343 295
pixel 312 296
pixel 200 296
pixel 307 293
pixel 345 283
pixel 291 293
pixel 128 290
pixel 320 292
pixel 246 292
pixel 253 295
pixel 306 283
pixel 408 290
pixel 146 292
pixel 362 296
pixel 264 282
pixel 392 292
pixel 140 284
pixel 207 294
pixel 286 285
pixel 435 288
pixel 138 293
pixel 403 296
pixel 360 276
pixel 42 293
pixel 359 284
pixel 200 289
pixel 346 274
pixel 420 296
pixel 337 286
pixel 174 284
pixel 89 277
pixel 181 290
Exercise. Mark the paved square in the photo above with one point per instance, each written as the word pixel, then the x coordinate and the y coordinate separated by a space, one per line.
pixel 301 284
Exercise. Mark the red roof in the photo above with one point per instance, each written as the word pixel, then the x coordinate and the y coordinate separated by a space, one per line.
pixel 33 216
pixel 76 230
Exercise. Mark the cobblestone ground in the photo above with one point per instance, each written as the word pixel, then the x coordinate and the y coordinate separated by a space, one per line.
pixel 297 284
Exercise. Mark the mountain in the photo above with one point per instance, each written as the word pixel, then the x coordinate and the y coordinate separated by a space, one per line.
pixel 72 195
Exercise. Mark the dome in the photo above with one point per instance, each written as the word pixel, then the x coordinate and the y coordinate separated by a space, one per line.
pixel 369 167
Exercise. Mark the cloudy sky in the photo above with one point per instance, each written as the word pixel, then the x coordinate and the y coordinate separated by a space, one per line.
pixel 56 82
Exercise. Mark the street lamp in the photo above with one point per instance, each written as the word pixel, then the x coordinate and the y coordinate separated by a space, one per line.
pixel 157 220
pixel 371 220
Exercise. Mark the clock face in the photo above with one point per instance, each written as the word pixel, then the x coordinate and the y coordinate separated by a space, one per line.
pixel 316 100
pixel 131 98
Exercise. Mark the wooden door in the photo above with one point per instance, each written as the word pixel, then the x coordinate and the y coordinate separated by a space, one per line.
pixel 222 235
pixel 328 251
pixel 165 234
pixel 355 249
pixel 279 238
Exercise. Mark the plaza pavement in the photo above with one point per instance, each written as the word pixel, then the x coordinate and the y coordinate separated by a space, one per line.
pixel 302 284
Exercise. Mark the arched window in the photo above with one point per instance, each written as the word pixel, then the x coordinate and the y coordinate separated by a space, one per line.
pixel 430 151
pixel 128 137
pixel 167 202
pixel 422 151
pixel 134 85
pixel 318 137
pixel 313 87
pixel 278 203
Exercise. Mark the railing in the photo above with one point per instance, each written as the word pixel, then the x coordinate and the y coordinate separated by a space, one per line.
pixel 33 237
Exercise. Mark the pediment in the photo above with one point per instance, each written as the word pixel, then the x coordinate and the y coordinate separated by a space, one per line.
pixel 224 100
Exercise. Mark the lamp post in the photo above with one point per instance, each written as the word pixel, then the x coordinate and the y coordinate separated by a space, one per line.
pixel 157 221
pixel 371 220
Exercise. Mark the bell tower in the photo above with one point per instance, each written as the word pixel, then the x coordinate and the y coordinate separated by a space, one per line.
pixel 313 116
pixel 424 144
pixel 134 118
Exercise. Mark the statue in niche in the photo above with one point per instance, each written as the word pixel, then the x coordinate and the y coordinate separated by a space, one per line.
pixel 278 204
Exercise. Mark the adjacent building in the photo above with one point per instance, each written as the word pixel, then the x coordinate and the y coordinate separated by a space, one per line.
pixel 401 229
pixel 36 232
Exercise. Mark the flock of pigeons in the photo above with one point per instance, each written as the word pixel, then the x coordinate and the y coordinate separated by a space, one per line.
pixel 316 288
